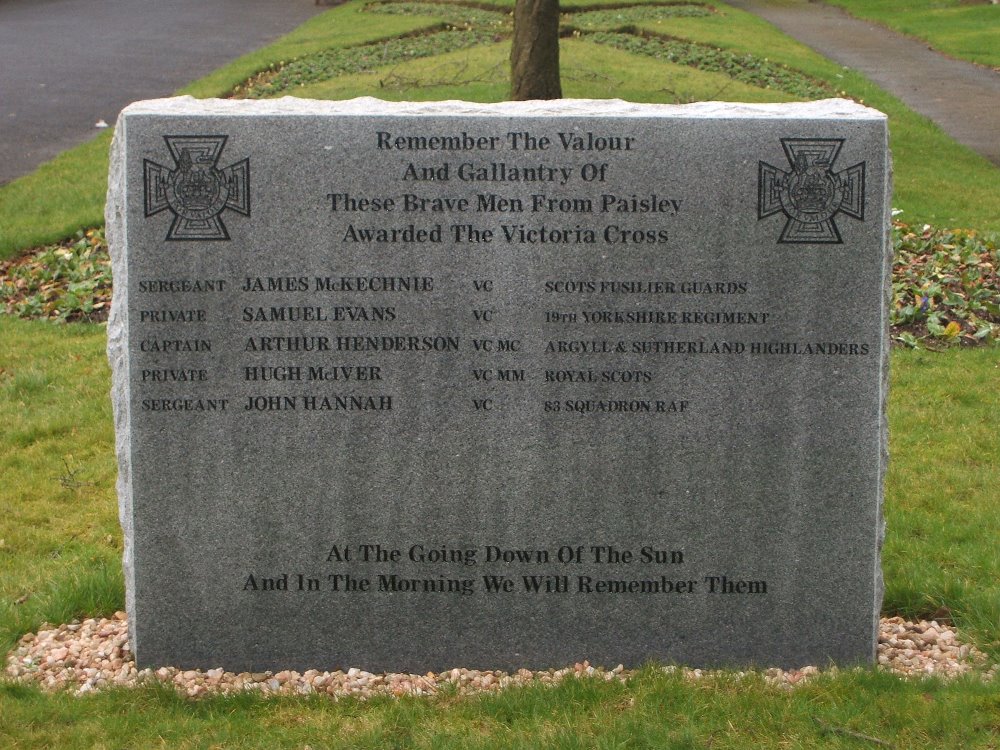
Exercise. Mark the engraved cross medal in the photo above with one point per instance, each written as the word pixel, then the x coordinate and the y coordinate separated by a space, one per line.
pixel 197 191
pixel 812 194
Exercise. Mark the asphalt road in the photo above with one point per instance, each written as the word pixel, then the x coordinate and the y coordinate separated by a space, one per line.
pixel 67 64
pixel 962 98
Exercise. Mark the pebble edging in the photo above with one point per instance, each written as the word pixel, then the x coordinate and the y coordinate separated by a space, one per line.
pixel 95 654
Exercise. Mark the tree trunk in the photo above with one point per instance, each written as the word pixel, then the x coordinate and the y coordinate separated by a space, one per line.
pixel 534 52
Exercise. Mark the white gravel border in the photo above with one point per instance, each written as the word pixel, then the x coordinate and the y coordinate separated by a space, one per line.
pixel 95 654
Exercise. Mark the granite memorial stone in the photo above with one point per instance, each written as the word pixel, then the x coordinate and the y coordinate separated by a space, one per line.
pixel 415 386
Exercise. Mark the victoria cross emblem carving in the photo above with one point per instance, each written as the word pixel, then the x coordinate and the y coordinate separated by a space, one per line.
pixel 196 191
pixel 811 194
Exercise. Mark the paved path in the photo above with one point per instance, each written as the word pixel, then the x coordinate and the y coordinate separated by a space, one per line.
pixel 962 98
pixel 66 64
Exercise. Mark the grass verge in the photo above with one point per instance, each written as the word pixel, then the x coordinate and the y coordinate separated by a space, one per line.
pixel 57 199
pixel 941 490
pixel 60 543
pixel 654 710
pixel 966 29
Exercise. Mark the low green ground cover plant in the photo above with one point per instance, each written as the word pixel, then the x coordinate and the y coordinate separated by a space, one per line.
pixel 64 282
pixel 946 286
pixel 464 27
pixel 322 66
pixel 744 67
pixel 967 29
pixel 591 71
pixel 618 16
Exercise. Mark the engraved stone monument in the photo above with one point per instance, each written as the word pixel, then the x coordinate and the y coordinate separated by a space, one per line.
pixel 415 386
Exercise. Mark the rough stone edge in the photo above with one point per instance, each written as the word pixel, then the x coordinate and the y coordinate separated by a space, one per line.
pixel 115 218
pixel 883 431
pixel 370 107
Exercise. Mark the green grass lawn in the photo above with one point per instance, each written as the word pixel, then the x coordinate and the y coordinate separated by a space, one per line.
pixel 967 29
pixel 654 711
pixel 60 542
